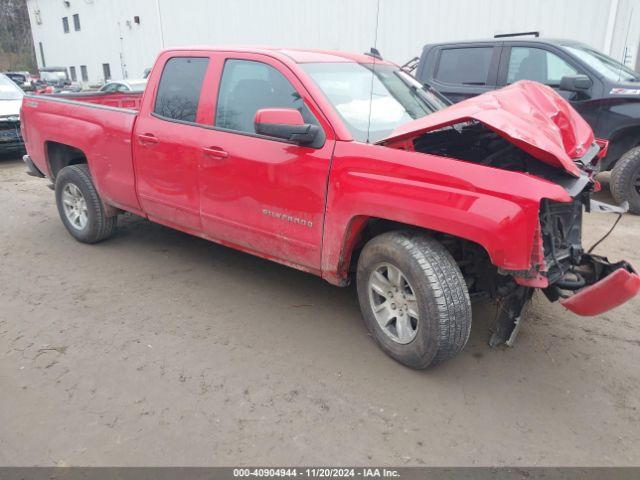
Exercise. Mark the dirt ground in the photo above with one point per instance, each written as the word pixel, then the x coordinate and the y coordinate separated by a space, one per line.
pixel 157 348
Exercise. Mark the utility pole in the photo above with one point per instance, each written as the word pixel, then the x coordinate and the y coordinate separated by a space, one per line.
pixel 160 24
pixel 123 65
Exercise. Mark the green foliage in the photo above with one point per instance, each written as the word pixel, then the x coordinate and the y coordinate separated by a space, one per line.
pixel 16 42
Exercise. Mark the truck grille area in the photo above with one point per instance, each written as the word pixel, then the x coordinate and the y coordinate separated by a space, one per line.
pixel 561 227
pixel 10 131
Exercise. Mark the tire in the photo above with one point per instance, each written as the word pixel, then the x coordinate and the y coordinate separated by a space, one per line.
pixel 443 321
pixel 92 225
pixel 625 180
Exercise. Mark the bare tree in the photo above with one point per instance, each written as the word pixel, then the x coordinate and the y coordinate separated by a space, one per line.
pixel 16 42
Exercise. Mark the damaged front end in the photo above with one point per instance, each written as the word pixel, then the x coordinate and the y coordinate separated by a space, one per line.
pixel 584 283
pixel 527 128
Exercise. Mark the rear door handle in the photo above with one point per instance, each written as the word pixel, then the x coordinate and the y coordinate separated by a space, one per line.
pixel 215 152
pixel 147 138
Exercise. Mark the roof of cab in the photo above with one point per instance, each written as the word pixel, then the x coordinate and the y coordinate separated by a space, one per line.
pixel 500 40
pixel 297 55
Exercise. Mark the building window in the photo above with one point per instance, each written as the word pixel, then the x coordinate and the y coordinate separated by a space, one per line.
pixel 83 73
pixel 65 24
pixel 44 64
pixel 76 22
pixel 74 77
pixel 106 71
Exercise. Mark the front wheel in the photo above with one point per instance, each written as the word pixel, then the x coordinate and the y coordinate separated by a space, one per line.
pixel 625 180
pixel 80 207
pixel 413 298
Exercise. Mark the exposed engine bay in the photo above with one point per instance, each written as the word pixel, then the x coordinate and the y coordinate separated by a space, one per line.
pixel 474 142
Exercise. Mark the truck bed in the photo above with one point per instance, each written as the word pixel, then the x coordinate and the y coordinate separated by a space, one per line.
pixel 130 100
pixel 97 125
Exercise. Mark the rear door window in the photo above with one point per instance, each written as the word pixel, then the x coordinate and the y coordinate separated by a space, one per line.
pixel 180 87
pixel 530 63
pixel 464 66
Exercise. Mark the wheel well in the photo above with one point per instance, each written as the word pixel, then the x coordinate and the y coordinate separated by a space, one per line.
pixel 473 260
pixel 60 155
pixel 621 142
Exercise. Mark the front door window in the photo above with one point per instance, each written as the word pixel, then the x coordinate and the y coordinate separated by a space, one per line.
pixel 248 86
pixel 528 63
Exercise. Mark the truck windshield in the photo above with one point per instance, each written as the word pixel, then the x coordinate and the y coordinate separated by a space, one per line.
pixel 9 90
pixel 372 101
pixel 603 64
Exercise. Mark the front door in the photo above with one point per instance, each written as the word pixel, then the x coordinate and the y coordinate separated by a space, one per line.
pixel 263 194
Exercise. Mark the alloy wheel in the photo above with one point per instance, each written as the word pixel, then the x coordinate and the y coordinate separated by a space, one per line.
pixel 393 302
pixel 75 206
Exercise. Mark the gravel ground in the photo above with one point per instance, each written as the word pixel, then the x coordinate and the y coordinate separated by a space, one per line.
pixel 157 348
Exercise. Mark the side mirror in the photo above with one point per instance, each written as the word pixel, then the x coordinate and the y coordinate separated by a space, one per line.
pixel 575 83
pixel 285 123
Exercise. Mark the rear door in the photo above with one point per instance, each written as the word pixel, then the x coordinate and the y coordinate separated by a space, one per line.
pixel 167 147
pixel 263 194
pixel 465 70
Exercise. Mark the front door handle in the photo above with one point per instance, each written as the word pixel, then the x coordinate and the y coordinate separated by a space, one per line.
pixel 215 152
pixel 147 138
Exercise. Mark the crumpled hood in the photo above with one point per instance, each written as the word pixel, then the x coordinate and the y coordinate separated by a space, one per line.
pixel 531 115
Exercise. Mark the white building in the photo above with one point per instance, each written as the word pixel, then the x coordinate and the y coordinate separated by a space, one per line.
pixel 120 38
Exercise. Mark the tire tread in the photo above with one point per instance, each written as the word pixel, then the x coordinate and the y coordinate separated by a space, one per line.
pixel 442 278
pixel 105 226
pixel 621 179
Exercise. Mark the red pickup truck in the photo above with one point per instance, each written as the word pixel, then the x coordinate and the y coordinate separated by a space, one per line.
pixel 344 166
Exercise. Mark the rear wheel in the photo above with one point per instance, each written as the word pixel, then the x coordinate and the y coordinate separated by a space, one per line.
pixel 80 207
pixel 413 298
pixel 625 180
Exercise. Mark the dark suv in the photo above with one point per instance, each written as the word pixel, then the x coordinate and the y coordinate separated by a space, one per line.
pixel 605 92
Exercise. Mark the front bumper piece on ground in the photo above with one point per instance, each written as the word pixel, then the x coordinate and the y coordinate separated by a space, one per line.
pixel 620 284
pixel 609 285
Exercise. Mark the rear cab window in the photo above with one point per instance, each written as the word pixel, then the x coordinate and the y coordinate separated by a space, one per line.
pixel 464 65
pixel 180 88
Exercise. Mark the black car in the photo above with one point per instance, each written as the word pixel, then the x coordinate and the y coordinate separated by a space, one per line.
pixel 605 92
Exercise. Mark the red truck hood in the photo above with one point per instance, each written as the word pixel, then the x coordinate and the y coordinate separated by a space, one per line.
pixel 529 114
